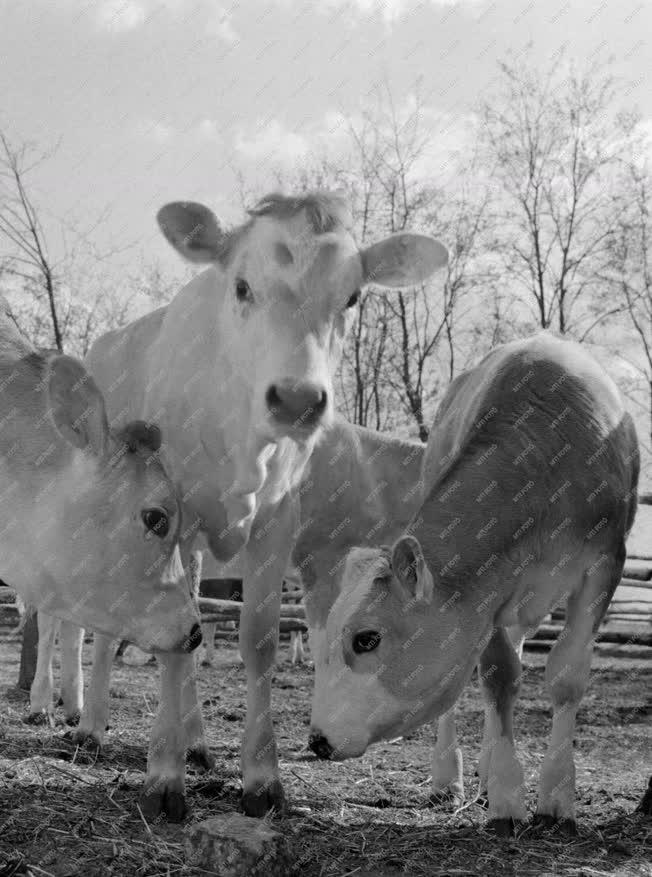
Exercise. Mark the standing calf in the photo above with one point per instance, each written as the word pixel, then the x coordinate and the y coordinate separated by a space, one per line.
pixel 531 474
pixel 88 519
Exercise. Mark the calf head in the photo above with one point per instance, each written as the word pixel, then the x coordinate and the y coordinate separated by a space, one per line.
pixel 289 280
pixel 394 654
pixel 96 519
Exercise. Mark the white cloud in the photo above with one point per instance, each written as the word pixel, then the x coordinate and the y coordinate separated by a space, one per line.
pixel 208 130
pixel 124 15
pixel 389 10
pixel 221 25
pixel 121 15
pixel 271 142
pixel 157 131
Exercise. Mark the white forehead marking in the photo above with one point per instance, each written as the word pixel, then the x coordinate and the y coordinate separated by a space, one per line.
pixel 364 564
pixel 361 568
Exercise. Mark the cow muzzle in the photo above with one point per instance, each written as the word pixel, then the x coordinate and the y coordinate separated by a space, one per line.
pixel 297 404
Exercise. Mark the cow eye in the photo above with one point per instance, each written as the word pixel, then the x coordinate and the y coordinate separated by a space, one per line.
pixel 242 290
pixel 354 299
pixel 157 521
pixel 366 641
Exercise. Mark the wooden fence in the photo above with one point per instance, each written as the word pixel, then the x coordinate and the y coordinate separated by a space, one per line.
pixel 627 621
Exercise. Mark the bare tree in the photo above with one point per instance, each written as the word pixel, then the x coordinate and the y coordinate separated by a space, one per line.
pixel 631 267
pixel 554 142
pixel 21 227
pixel 394 146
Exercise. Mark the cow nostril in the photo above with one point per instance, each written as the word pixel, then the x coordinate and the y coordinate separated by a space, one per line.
pixel 273 399
pixel 194 638
pixel 322 403
pixel 320 746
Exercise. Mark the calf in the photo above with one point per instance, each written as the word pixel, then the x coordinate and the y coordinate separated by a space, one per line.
pixel 531 474
pixel 88 519
pixel 239 369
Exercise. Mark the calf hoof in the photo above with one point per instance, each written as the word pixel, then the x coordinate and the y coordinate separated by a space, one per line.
pixel 562 826
pixel 200 757
pixel 87 740
pixel 164 797
pixel 446 799
pixel 504 827
pixel 259 801
pixel 39 717
pixel 645 806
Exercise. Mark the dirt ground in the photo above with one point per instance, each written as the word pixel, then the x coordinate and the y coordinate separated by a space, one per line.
pixel 365 817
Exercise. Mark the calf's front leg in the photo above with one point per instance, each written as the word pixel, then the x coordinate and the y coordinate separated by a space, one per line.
pixel 71 641
pixel 95 715
pixel 164 790
pixel 500 771
pixel 266 558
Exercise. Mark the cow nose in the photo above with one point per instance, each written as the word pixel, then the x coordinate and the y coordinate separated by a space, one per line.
pixel 193 639
pixel 297 404
pixel 320 746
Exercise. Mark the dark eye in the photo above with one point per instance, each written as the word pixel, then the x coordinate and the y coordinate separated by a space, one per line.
pixel 366 641
pixel 355 298
pixel 242 290
pixel 156 521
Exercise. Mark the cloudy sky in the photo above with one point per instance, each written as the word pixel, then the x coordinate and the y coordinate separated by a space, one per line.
pixel 152 100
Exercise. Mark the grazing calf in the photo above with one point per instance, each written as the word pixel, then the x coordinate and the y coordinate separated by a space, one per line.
pixel 89 521
pixel 238 368
pixel 531 474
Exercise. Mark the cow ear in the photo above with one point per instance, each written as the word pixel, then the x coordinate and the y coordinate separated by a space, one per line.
pixel 192 229
pixel 77 405
pixel 410 568
pixel 139 435
pixel 403 259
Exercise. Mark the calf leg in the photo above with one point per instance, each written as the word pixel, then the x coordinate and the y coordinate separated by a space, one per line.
pixel 516 635
pixel 500 771
pixel 71 639
pixel 567 675
pixel 208 639
pixel 193 722
pixel 41 706
pixel 297 655
pixel 164 790
pixel 265 562
pixel 95 715
pixel 447 776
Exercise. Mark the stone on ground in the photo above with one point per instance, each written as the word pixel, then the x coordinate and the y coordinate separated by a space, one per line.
pixel 234 845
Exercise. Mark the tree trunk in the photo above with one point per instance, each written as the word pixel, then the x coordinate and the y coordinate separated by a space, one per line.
pixel 58 340
pixel 29 651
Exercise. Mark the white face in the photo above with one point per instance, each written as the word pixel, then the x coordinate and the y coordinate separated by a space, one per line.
pixel 287 297
pixel 379 666
pixel 290 298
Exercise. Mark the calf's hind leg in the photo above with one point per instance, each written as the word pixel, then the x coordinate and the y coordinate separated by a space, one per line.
pixel 41 706
pixel 447 775
pixel 567 675
pixel 500 771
